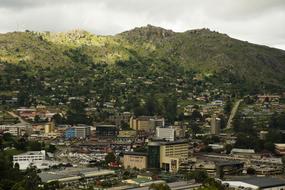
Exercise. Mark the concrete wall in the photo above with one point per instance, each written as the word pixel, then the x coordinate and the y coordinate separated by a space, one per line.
pixel 137 161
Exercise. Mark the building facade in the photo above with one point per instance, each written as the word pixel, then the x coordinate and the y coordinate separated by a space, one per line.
pixel 167 155
pixel 167 133
pixel 154 155
pixel 280 149
pixel 80 131
pixel 146 123
pixel 215 125
pixel 172 154
pixel 26 159
pixel 106 131
pixel 135 160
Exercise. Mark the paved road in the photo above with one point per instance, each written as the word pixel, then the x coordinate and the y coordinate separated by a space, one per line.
pixel 20 119
pixel 233 113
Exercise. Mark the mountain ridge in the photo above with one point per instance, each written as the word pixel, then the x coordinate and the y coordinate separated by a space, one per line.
pixel 203 50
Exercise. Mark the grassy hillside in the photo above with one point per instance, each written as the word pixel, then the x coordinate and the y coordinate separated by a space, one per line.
pixel 208 52
pixel 212 52
pixel 60 49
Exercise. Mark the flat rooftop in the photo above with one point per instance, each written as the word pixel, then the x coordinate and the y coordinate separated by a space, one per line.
pixel 261 182
pixel 103 125
pixel 31 153
pixel 70 174
pixel 136 153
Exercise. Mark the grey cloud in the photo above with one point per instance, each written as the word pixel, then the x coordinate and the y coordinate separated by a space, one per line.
pixel 259 21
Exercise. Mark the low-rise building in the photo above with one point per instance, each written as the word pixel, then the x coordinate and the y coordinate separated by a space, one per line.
pixel 168 155
pixel 167 133
pixel 127 134
pixel 79 131
pixel 16 129
pixel 135 160
pixel 242 151
pixel 266 183
pixel 49 128
pixel 146 123
pixel 71 175
pixel 120 117
pixel 35 158
pixel 106 131
pixel 280 149
pixel 172 154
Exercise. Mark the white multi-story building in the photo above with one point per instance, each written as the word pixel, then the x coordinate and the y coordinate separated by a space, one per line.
pixel 165 133
pixel 30 156
pixel 35 158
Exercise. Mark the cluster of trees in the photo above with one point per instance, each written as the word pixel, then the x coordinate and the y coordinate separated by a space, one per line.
pixel 155 105
pixel 277 121
pixel 248 133
pixel 76 114
pixel 11 178
pixel 102 82
pixel 228 107
pixel 22 144
pixel 201 176
pixel 160 186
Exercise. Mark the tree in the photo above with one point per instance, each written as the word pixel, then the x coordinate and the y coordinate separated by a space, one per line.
pixel 223 121
pixel 283 160
pixel 140 149
pixel 18 186
pixel 54 185
pixel 21 144
pixel 76 113
pixel 211 184
pixel 249 100
pixel 277 121
pixel 244 125
pixel 37 119
pixel 35 146
pixel 228 148
pixel 195 128
pixel 250 171
pixel 126 175
pixel 160 186
pixel 58 119
pixel 31 180
pixel 247 141
pixel 110 157
pixel 51 148
pixel 8 137
pixel 228 107
pixel 1 144
pixel 200 176
pixel 24 98
pixel 196 115
pixel 125 126
pixel 17 166
pixel 150 106
pixel 269 146
pixel 170 108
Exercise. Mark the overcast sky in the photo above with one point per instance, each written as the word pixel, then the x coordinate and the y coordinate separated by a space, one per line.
pixel 257 21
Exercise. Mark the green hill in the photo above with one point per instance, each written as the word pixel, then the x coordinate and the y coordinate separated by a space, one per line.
pixel 203 51
pixel 212 52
